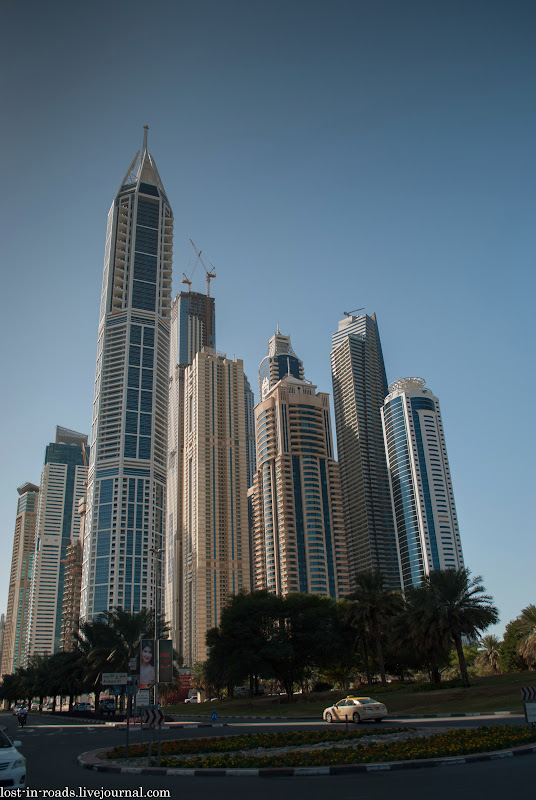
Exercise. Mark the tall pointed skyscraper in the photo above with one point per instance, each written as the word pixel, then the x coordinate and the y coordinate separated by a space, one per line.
pixel 359 389
pixel 123 539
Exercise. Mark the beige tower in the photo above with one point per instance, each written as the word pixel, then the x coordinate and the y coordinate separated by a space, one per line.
pixel 14 649
pixel 215 541
pixel 298 539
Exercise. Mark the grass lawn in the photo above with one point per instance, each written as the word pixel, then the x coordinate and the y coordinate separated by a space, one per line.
pixel 496 693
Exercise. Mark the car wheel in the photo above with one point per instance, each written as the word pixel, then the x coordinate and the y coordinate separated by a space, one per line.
pixel 329 718
pixel 356 718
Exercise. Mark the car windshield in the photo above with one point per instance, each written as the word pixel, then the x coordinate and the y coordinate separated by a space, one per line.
pixel 4 741
pixel 366 700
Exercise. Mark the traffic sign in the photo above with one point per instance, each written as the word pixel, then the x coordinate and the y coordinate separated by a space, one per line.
pixel 114 678
pixel 142 698
pixel 153 716
pixel 528 693
pixel 214 716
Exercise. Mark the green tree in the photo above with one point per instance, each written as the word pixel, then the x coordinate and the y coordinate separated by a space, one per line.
pixel 415 631
pixel 376 607
pixel 488 653
pixel 460 608
pixel 106 643
pixel 306 636
pixel 527 629
pixel 239 647
pixel 509 658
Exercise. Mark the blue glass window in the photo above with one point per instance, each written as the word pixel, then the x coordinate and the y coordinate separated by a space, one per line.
pixel 143 295
pixel 148 337
pixel 106 491
pixel 147 379
pixel 134 355
pixel 148 212
pixel 130 446
pixel 135 334
pixel 132 399
pixel 105 517
pixel 145 424
pixel 102 570
pixel 134 377
pixel 145 267
pixel 146 403
pixel 146 241
pixel 131 424
pixel 148 357
pixel 144 449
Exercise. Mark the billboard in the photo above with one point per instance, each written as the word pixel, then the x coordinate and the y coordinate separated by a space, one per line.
pixel 147 663
pixel 165 661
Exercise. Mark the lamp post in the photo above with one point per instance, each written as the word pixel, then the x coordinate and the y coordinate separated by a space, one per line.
pixel 156 552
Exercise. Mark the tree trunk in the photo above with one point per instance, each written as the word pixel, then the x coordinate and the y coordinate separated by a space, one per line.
pixel 367 665
pixel 435 675
pixel 461 661
pixel 379 654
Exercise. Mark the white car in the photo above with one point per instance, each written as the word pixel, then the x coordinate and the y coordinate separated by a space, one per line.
pixel 191 699
pixel 12 763
pixel 355 709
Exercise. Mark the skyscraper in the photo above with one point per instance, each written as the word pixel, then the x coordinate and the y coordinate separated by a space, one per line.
pixel 63 484
pixel 251 459
pixel 421 487
pixel 215 543
pixel 280 360
pixel 126 499
pixel 193 326
pixel 359 389
pixel 18 602
pixel 298 536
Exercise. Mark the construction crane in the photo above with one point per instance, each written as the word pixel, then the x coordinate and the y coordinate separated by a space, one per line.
pixel 188 280
pixel 349 313
pixel 209 276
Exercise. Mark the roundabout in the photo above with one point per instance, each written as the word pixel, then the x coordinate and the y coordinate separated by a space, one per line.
pixel 324 752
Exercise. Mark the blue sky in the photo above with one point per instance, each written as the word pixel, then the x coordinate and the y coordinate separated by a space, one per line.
pixel 324 155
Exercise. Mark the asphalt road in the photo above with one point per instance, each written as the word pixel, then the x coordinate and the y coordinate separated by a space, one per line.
pixel 51 749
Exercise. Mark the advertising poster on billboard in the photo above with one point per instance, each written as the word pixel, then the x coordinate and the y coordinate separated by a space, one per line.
pixel 147 663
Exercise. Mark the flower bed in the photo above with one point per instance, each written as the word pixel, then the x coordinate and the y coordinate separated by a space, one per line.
pixel 248 741
pixel 330 747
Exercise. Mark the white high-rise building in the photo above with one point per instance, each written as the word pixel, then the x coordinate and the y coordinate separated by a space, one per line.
pixel 298 541
pixel 126 499
pixel 63 484
pixel 193 326
pixel 214 524
pixel 428 536
pixel 18 602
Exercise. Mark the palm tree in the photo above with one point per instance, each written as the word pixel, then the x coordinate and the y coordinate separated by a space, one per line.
pixel 460 608
pixel 376 606
pixel 488 652
pixel 106 643
pixel 527 629
pixel 415 629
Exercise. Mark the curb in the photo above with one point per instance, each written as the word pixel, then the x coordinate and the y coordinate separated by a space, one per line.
pixel 389 716
pixel 89 761
pixel 176 725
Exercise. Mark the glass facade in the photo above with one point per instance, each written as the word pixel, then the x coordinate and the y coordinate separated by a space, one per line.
pixel 421 489
pixel 125 527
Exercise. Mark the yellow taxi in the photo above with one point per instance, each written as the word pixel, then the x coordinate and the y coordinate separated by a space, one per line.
pixel 355 709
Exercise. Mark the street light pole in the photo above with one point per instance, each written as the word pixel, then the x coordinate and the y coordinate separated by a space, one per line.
pixel 156 552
